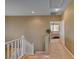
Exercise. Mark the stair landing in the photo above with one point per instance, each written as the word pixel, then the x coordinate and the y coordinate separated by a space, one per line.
pixel 56 51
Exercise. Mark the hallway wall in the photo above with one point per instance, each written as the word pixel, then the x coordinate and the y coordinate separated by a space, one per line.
pixel 69 26
pixel 33 27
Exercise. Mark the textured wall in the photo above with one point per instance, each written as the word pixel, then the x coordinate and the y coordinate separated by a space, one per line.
pixel 69 26
pixel 33 27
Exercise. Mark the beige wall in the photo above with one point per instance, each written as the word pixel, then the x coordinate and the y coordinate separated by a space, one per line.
pixel 69 26
pixel 33 27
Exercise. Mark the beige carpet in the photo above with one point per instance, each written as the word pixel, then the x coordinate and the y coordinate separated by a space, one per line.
pixel 56 51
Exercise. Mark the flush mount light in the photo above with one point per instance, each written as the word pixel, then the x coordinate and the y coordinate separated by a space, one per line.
pixel 57 9
pixel 33 12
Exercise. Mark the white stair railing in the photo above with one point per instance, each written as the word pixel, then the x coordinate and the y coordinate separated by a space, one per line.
pixel 15 49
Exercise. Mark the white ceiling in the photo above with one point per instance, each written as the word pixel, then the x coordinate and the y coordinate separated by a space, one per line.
pixel 39 7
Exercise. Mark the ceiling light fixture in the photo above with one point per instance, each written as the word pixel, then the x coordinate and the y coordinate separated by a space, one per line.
pixel 33 12
pixel 57 9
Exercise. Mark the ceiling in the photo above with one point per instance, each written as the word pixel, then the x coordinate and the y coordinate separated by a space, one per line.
pixel 34 7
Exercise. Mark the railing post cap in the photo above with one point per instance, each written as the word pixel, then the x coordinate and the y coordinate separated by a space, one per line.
pixel 22 36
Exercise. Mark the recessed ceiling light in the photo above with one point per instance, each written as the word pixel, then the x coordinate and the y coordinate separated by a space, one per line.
pixel 57 9
pixel 33 12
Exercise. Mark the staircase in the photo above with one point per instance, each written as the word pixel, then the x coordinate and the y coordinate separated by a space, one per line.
pixel 22 49
pixel 17 48
pixel 56 51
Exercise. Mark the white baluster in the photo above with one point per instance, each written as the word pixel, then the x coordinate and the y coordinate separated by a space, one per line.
pixel 11 49
pixel 8 52
pixel 15 50
pixel 32 48
pixel 18 49
pixel 22 52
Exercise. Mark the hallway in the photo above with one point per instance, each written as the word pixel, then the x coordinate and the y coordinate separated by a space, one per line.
pixel 56 51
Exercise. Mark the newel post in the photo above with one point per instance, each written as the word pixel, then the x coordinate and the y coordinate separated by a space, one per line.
pixel 22 45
